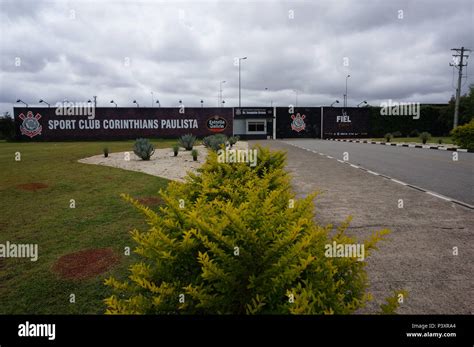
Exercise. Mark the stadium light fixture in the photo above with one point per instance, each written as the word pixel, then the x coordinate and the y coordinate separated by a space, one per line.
pixel 44 102
pixel 19 100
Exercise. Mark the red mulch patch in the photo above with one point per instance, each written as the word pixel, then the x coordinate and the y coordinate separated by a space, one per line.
pixel 85 264
pixel 150 200
pixel 32 186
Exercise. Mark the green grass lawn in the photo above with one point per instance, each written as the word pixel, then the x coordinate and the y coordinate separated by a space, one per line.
pixel 100 220
pixel 434 139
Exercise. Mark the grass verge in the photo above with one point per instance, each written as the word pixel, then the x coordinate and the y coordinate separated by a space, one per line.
pixel 44 217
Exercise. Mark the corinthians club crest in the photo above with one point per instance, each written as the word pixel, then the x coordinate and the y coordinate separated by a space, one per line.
pixel 30 125
pixel 298 123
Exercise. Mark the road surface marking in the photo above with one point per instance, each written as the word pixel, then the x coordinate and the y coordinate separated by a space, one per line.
pixel 439 196
pixel 399 182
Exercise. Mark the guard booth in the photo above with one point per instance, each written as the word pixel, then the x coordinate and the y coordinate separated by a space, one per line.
pixel 253 122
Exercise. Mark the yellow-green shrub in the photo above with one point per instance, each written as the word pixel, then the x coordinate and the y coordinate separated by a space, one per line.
pixel 235 240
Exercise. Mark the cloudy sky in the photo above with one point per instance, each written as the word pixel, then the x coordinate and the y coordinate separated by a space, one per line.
pixel 180 50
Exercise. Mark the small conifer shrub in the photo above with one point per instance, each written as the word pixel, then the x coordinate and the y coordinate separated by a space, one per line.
pixel 175 150
pixel 194 153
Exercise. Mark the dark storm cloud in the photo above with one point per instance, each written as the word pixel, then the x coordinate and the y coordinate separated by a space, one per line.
pixel 124 50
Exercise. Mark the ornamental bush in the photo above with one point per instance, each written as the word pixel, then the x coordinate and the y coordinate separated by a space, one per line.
pixel 233 239
pixel 187 141
pixel 397 134
pixel 425 136
pixel 143 149
pixel 215 142
pixel 463 135
pixel 233 140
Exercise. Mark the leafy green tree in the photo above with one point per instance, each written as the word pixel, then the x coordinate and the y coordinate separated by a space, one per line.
pixel 466 109
pixel 463 135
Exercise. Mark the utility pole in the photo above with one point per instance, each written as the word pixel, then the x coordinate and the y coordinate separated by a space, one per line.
pixel 95 101
pixel 458 64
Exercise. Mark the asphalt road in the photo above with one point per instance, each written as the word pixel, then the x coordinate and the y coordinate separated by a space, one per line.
pixel 433 170
pixel 417 255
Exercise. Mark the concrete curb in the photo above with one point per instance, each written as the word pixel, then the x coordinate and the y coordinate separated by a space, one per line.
pixel 463 204
pixel 453 149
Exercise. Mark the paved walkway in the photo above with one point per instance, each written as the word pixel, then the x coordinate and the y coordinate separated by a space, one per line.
pixel 418 254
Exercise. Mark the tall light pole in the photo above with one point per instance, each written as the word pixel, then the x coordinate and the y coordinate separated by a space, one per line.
pixel 296 97
pixel 345 95
pixel 113 102
pixel 151 99
pixel 158 102
pixel 239 81
pixel 335 102
pixel 135 102
pixel 271 101
pixel 362 102
pixel 220 92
